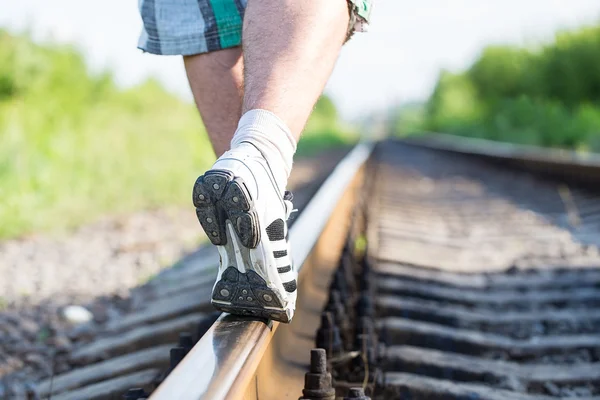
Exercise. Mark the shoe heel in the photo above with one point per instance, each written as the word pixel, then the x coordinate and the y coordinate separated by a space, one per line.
pixel 206 196
pixel 248 294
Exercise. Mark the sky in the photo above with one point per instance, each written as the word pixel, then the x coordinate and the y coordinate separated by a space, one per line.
pixel 397 61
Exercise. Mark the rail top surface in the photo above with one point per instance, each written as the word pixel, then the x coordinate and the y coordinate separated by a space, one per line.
pixel 223 361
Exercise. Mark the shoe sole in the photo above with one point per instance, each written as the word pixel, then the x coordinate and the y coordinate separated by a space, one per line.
pixel 227 214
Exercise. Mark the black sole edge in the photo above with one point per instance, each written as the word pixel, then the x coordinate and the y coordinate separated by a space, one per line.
pixel 247 294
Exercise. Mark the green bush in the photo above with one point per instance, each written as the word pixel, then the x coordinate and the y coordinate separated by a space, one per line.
pixel 548 96
pixel 408 119
pixel 453 104
pixel 324 130
pixel 569 67
pixel 73 146
pixel 501 72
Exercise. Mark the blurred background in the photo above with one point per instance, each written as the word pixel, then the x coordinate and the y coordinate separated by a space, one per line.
pixel 90 125
pixel 100 144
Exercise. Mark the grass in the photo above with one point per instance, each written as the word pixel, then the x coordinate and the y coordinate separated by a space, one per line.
pixel 117 161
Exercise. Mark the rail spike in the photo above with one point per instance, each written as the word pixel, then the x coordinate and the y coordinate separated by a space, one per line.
pixel 317 382
pixel 328 335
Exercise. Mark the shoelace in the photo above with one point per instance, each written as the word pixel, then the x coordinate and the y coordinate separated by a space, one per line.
pixel 289 206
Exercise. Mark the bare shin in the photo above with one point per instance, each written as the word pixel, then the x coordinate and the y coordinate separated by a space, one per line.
pixel 290 48
pixel 216 80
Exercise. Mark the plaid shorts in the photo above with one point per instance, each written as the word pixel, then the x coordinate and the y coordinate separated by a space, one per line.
pixel 187 27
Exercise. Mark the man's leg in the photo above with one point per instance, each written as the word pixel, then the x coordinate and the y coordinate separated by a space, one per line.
pixel 216 80
pixel 290 48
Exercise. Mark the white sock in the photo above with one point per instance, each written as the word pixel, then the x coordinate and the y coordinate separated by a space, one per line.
pixel 271 136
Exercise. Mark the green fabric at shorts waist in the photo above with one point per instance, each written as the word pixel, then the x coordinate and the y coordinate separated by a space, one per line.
pixel 363 8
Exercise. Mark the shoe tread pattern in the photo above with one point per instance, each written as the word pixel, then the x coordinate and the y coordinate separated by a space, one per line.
pixel 218 197
pixel 247 294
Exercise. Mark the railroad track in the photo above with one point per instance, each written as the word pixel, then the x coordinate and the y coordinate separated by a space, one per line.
pixel 430 270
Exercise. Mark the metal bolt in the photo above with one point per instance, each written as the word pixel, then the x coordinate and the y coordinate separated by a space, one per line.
pixel 328 335
pixel 216 186
pixel 209 220
pixel 267 297
pixel 318 361
pixel 214 233
pixel 224 292
pixel 249 298
pixel 235 199
pixel 201 197
pixel 244 291
pixel 317 382
pixel 240 298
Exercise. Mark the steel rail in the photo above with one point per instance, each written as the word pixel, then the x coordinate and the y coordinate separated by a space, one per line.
pixel 222 363
pixel 572 166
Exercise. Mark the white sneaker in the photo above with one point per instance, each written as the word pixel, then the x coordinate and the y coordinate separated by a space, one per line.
pixel 242 211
